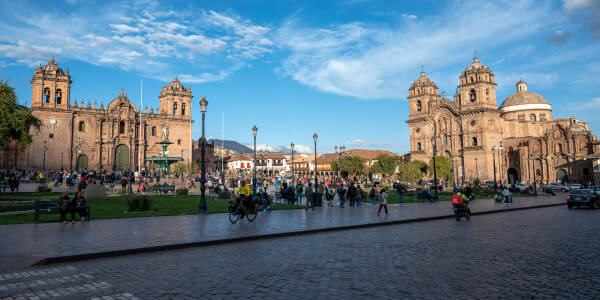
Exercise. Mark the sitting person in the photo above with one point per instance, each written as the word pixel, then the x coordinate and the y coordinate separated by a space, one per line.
pixel 82 207
pixel 65 206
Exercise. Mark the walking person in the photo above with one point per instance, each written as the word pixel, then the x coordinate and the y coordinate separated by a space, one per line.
pixel 341 192
pixel 351 194
pixel 373 194
pixel 400 190
pixel 507 197
pixel 309 197
pixel 299 190
pixel 360 193
pixel 383 202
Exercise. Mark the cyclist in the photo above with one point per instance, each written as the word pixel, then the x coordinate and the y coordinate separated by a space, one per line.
pixel 244 191
pixel 465 199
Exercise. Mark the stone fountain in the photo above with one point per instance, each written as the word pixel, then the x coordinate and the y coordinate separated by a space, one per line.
pixel 163 161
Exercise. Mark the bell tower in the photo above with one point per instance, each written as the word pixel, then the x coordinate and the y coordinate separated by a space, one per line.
pixel 420 93
pixel 176 100
pixel 477 87
pixel 50 86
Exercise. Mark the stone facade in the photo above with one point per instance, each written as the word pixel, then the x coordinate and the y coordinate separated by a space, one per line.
pixel 518 141
pixel 90 137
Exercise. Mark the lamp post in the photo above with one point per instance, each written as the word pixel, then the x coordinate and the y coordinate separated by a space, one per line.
pixel 342 149
pixel 182 166
pixel 254 132
pixel 129 188
pixel 435 195
pixel 202 205
pixel 44 162
pixel 476 169
pixel 533 158
pixel 494 161
pixel 293 174
pixel 315 136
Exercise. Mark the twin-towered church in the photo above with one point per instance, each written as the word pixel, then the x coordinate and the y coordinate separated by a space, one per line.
pixel 517 141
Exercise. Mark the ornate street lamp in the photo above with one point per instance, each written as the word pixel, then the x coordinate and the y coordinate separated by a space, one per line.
pixel 202 205
pixel 435 195
pixel 254 132
pixel 45 148
pixel 342 149
pixel 293 174
pixel 315 136
pixel 476 169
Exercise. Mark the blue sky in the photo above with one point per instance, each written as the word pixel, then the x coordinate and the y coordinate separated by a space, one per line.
pixel 340 68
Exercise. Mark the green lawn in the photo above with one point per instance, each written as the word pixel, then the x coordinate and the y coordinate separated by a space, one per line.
pixel 115 207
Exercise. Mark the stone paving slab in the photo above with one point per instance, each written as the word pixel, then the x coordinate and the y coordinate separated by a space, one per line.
pixel 27 244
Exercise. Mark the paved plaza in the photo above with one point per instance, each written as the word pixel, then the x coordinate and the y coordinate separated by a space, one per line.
pixel 537 253
pixel 34 243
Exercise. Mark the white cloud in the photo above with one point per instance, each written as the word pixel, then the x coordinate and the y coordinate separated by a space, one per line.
pixel 123 28
pixel 410 16
pixel 302 149
pixel 372 61
pixel 205 45
pixel 360 142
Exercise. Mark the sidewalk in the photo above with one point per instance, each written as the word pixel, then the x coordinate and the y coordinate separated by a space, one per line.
pixel 27 244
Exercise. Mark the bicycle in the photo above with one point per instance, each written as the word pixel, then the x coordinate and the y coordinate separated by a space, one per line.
pixel 237 211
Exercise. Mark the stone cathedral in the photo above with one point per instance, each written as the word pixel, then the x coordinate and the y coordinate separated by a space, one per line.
pixel 84 136
pixel 518 141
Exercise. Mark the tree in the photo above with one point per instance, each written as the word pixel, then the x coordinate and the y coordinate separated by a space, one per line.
pixel 385 164
pixel 443 167
pixel 349 164
pixel 16 119
pixel 410 171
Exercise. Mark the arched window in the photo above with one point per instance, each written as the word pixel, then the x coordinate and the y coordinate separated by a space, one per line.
pixel 472 95
pixel 532 117
pixel 558 148
pixel 81 126
pixel 153 131
pixel 175 108
pixel 122 127
pixel 474 142
pixel 419 107
pixel 538 172
pixel 542 117
pixel 418 146
pixel 445 139
pixel 58 96
pixel 47 95
pixel 183 109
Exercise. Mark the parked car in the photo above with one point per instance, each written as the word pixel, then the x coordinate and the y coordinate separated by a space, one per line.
pixel 523 188
pixel 596 189
pixel 574 186
pixel 558 187
pixel 489 184
pixel 583 197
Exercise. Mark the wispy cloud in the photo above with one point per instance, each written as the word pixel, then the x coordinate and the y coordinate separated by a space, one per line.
pixel 204 45
pixel 373 61
pixel 585 12
pixel 302 149
pixel 360 142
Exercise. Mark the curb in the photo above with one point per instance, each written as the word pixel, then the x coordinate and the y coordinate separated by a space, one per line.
pixel 114 253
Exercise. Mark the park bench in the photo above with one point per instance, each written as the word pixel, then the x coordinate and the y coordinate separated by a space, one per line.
pixel 46 207
pixel 163 188
pixel 424 195
pixel 3 186
pixel 290 196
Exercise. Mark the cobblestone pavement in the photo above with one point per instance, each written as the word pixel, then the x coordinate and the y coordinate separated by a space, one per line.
pixel 538 253
pixel 32 243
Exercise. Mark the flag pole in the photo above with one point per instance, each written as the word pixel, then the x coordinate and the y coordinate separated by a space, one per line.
pixel 140 130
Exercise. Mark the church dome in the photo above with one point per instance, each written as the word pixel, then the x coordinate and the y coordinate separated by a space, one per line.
pixel 524 100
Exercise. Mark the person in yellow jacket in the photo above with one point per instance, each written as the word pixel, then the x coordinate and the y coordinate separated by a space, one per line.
pixel 244 189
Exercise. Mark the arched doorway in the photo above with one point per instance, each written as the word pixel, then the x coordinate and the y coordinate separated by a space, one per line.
pixel 82 162
pixel 512 175
pixel 121 157
pixel 561 175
